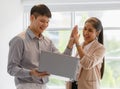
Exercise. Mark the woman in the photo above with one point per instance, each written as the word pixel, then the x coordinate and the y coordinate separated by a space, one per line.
pixel 91 53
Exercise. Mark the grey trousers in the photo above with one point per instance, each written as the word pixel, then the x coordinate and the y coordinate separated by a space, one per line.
pixel 31 86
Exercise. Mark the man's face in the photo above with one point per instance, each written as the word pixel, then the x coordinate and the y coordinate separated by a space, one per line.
pixel 39 24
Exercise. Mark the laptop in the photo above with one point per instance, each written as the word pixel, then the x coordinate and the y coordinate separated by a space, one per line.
pixel 58 64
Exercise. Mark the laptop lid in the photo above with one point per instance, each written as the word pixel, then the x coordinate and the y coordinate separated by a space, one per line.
pixel 58 64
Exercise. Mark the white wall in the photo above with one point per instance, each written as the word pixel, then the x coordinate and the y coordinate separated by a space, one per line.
pixel 11 23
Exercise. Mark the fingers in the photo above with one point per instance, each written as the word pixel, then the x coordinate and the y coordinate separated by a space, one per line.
pixel 76 38
pixel 74 31
pixel 43 74
pixel 39 74
pixel 75 34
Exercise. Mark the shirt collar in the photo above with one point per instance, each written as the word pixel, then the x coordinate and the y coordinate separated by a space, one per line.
pixel 32 35
pixel 89 45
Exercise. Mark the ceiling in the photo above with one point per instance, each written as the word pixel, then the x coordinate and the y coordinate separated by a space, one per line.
pixel 70 1
pixel 75 5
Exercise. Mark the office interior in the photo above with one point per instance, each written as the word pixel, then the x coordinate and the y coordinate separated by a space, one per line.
pixel 14 18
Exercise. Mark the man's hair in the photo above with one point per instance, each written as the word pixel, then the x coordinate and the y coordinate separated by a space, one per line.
pixel 40 9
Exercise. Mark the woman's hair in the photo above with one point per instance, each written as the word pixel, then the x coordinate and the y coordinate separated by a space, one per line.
pixel 96 23
pixel 40 9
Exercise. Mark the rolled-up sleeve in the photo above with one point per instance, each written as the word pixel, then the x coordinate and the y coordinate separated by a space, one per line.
pixel 68 51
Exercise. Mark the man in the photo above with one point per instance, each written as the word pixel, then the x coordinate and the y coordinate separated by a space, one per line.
pixel 24 51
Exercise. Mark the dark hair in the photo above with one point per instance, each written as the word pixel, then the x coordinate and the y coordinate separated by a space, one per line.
pixel 96 23
pixel 40 9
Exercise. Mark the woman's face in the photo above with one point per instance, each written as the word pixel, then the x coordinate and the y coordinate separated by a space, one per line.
pixel 89 33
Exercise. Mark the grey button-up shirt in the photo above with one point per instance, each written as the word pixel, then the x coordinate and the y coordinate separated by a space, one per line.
pixel 24 55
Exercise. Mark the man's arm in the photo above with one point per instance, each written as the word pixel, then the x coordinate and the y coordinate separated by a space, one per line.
pixel 14 67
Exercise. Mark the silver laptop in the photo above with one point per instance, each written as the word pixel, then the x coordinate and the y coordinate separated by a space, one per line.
pixel 58 64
